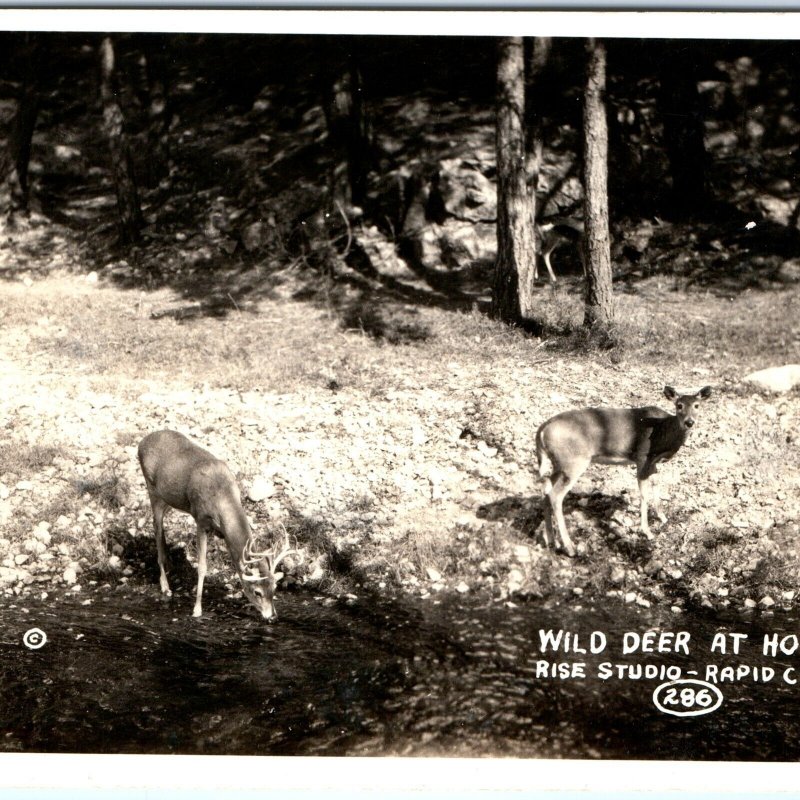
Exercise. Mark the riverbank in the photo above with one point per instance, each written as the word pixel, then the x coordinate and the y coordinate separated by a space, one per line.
pixel 398 449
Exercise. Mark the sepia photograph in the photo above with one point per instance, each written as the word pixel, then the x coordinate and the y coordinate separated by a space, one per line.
pixel 399 395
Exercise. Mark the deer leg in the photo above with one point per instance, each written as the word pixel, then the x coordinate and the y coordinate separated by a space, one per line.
pixel 644 473
pixel 656 501
pixel 159 508
pixel 548 514
pixel 546 257
pixel 561 484
pixel 202 547
pixel 644 491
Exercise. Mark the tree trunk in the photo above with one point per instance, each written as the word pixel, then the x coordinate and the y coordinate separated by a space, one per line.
pixel 513 296
pixel 15 160
pixel 159 113
pixel 599 312
pixel 683 134
pixel 128 208
pixel 347 130
pixel 534 96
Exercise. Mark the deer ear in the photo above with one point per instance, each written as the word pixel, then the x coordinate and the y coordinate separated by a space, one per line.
pixel 670 393
pixel 704 393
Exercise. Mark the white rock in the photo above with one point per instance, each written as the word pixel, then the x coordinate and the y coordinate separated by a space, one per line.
pixel 523 553
pixel 630 597
pixel 766 602
pixel 487 450
pixel 515 580
pixel 261 489
pixel 776 379
pixel 462 588
pixel 42 536
pixel 8 575
pixel 70 576
pixel 750 603
pixel 433 574
pixel 20 559
pixel 114 562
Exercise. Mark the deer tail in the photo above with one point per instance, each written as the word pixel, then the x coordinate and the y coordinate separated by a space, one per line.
pixel 545 462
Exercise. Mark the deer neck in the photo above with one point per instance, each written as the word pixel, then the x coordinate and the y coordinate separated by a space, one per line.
pixel 235 529
pixel 669 435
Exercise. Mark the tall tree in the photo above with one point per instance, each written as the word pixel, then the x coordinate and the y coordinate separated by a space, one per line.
pixel 159 111
pixel 15 158
pixel 539 55
pixel 683 133
pixel 128 208
pixel 599 313
pixel 343 105
pixel 515 268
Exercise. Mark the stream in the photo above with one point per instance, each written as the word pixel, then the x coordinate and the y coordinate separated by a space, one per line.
pixel 132 672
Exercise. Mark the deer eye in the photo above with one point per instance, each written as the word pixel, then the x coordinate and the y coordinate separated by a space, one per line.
pixel 679 406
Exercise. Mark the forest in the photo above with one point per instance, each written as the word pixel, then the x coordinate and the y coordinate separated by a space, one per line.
pixel 363 271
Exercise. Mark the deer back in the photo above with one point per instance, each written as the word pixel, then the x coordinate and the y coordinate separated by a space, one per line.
pixel 192 480
pixel 600 434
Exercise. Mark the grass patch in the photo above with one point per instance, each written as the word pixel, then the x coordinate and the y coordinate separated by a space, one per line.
pixel 425 549
pixel 24 459
pixel 108 490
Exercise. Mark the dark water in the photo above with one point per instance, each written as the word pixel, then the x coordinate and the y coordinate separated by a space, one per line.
pixel 132 673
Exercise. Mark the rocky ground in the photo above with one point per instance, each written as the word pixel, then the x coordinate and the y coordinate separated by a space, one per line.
pixel 396 444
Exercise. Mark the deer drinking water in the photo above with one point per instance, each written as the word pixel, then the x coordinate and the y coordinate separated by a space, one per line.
pixel 181 475
pixel 569 442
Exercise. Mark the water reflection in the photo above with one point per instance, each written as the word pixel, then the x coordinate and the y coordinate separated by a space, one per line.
pixel 131 674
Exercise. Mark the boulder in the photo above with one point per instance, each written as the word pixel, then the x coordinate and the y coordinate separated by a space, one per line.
pixel 465 192
pixel 789 271
pixel 776 379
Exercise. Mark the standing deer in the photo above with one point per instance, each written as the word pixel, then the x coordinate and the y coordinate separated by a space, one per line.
pixel 555 234
pixel 181 475
pixel 569 442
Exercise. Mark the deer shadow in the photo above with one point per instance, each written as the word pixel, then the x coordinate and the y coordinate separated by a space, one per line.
pixel 141 553
pixel 526 515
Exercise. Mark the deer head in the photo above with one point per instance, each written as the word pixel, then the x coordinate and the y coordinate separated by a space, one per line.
pixel 687 405
pixel 258 571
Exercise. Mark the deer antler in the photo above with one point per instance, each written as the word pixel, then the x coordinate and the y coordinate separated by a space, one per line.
pixel 273 556
pixel 286 550
pixel 251 557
